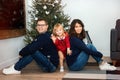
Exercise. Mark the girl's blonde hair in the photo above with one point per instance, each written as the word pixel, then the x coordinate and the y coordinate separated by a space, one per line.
pixel 56 26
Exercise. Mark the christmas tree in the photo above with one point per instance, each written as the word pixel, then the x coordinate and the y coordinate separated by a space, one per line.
pixel 51 10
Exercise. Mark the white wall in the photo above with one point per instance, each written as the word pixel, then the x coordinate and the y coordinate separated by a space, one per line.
pixel 99 17
pixel 9 48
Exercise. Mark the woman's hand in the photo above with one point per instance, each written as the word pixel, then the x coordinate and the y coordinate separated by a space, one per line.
pixel 69 52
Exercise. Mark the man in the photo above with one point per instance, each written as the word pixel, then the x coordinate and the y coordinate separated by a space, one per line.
pixel 42 50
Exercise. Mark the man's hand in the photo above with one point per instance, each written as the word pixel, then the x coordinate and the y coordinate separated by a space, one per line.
pixel 53 38
pixel 20 56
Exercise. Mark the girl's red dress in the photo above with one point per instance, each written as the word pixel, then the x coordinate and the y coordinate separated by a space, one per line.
pixel 63 44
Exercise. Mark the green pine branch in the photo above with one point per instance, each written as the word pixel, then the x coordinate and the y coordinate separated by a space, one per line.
pixel 51 10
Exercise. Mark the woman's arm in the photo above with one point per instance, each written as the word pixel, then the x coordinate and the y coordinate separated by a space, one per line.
pixel 67 40
pixel 82 46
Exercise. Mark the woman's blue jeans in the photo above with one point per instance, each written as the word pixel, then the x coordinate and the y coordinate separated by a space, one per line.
pixel 82 59
pixel 40 59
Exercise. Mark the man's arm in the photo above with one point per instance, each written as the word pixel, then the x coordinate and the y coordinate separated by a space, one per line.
pixel 34 46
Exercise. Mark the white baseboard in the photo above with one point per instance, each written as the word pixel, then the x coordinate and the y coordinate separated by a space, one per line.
pixel 8 62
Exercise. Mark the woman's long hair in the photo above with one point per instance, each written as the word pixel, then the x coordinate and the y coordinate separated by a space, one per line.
pixel 72 31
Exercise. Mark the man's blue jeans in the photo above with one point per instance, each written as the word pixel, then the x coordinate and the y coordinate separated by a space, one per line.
pixel 82 59
pixel 40 59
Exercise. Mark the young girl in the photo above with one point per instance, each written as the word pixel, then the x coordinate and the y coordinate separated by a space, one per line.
pixel 61 40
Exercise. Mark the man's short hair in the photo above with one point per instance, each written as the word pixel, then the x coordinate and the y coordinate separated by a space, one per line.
pixel 42 19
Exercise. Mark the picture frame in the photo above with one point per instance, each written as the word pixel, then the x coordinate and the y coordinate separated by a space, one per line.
pixel 12 18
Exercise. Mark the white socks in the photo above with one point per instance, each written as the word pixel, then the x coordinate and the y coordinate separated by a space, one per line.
pixel 61 69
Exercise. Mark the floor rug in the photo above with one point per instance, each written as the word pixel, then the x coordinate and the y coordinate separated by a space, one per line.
pixel 93 73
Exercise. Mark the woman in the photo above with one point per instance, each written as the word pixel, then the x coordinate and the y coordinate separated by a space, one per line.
pixel 80 51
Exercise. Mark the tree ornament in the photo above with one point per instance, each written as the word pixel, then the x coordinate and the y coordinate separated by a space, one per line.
pixel 36 18
pixel 36 12
pixel 47 12
pixel 45 7
pixel 56 1
pixel 53 5
pixel 55 17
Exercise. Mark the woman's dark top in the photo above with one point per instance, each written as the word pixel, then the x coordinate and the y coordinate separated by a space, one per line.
pixel 77 45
